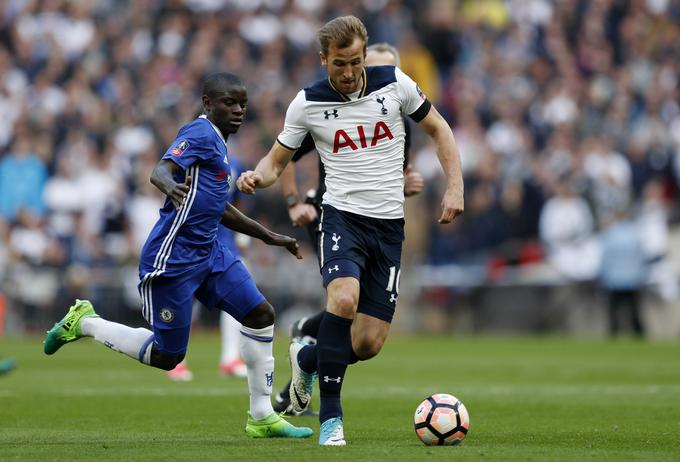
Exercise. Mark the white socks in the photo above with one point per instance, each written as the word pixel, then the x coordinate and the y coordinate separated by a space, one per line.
pixel 230 335
pixel 136 343
pixel 256 349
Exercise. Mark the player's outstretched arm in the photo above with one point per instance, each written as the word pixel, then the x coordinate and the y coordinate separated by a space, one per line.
pixel 447 151
pixel 267 171
pixel 162 178
pixel 233 218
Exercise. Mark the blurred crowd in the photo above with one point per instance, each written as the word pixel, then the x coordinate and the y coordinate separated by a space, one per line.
pixel 566 112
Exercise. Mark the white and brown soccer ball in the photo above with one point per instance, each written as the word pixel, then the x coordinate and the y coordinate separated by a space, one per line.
pixel 441 420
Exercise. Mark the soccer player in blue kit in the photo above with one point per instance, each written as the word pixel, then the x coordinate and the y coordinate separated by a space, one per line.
pixel 230 364
pixel 182 259
pixel 355 117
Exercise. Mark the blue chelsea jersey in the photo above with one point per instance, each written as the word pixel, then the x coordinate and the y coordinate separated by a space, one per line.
pixel 187 237
pixel 226 235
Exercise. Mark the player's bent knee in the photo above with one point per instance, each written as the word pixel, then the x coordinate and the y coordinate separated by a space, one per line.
pixel 343 305
pixel 262 316
pixel 165 361
pixel 367 348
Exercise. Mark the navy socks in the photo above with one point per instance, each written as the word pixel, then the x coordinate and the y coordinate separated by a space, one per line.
pixel 334 350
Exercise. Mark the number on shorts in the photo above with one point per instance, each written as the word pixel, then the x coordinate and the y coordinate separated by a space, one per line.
pixel 394 277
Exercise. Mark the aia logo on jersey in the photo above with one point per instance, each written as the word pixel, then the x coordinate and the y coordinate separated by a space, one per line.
pixel 344 140
pixel 180 148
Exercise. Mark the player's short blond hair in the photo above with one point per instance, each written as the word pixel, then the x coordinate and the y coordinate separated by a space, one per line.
pixel 341 32
pixel 384 47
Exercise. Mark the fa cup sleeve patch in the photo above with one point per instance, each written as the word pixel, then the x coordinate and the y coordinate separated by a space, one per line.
pixel 180 148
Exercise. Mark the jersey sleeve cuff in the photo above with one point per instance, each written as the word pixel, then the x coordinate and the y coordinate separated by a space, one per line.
pixel 285 145
pixel 420 113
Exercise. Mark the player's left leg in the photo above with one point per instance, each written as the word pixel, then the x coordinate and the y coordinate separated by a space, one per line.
pixel 256 339
pixel 379 290
pixel 234 291
pixel 334 350
pixel 368 336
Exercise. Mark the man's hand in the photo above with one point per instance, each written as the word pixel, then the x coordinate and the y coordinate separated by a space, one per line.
pixel 288 242
pixel 452 205
pixel 302 214
pixel 178 193
pixel 413 182
pixel 248 181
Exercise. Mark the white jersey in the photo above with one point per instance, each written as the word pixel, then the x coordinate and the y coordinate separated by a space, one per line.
pixel 360 138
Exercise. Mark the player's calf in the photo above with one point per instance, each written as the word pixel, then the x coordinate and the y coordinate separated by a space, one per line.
pixel 366 348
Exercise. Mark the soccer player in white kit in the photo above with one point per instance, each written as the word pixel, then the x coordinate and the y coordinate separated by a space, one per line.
pixel 355 118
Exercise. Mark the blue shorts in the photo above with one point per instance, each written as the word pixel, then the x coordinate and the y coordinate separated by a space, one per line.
pixel 367 249
pixel 167 300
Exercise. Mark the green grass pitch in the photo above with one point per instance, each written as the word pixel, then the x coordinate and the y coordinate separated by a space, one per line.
pixel 537 399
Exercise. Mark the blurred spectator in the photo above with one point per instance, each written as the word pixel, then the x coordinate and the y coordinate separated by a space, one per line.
pixel 22 179
pixel 30 242
pixel 652 223
pixel 622 272
pixel 417 62
pixel 610 174
pixel 63 197
pixel 567 229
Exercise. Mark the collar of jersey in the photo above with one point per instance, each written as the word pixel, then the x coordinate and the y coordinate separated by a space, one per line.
pixel 342 95
pixel 217 130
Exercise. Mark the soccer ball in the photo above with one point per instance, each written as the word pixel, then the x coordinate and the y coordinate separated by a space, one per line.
pixel 441 419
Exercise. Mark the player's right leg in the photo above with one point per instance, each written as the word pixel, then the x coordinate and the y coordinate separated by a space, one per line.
pixel 234 291
pixel 368 336
pixel 334 351
pixel 82 321
pixel 256 338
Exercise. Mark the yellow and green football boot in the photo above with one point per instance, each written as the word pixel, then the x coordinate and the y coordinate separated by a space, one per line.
pixel 68 329
pixel 275 426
